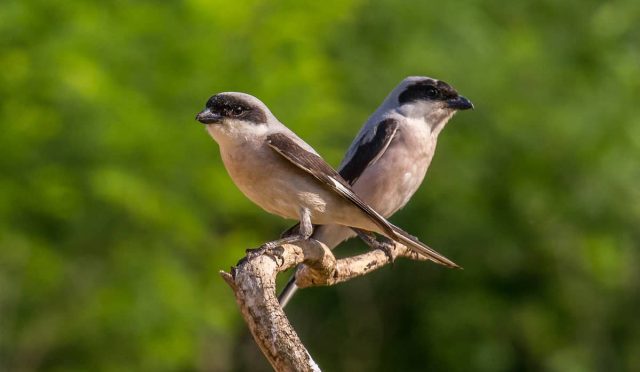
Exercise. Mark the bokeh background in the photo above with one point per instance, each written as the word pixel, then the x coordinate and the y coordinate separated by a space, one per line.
pixel 116 213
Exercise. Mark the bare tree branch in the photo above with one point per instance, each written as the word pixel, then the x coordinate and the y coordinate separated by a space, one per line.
pixel 351 267
pixel 254 285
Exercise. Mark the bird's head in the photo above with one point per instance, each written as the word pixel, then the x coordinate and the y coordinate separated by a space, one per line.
pixel 431 99
pixel 232 113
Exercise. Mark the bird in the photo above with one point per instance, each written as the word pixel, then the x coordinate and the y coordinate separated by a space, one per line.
pixel 285 176
pixel 389 157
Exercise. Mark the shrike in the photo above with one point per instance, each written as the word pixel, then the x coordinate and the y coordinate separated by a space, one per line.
pixel 389 157
pixel 281 173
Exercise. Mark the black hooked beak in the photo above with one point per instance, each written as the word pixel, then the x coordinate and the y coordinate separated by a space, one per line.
pixel 459 103
pixel 207 117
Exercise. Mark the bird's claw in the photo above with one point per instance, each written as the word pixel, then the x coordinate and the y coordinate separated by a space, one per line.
pixel 389 249
pixel 263 249
pixel 252 253
pixel 384 244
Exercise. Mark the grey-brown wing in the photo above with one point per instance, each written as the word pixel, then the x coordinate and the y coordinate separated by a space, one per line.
pixel 318 168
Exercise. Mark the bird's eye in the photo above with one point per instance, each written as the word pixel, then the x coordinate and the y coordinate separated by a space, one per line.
pixel 237 111
pixel 432 92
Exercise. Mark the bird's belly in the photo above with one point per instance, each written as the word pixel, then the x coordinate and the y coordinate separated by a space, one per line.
pixel 281 199
pixel 280 188
pixel 388 184
pixel 272 195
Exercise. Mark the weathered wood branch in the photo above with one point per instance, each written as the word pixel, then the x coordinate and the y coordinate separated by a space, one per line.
pixel 351 267
pixel 254 285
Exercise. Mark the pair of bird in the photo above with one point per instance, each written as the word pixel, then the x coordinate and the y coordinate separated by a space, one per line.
pixel 381 171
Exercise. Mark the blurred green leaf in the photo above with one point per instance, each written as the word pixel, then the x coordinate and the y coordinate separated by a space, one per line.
pixel 117 213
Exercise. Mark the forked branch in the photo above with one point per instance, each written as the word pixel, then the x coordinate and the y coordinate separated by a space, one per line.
pixel 254 285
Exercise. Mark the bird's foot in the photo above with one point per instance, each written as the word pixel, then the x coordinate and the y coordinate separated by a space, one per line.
pixel 268 248
pixel 388 246
pixel 256 252
pixel 252 253
pixel 384 244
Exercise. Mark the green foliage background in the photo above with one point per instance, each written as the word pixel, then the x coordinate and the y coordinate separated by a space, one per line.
pixel 116 213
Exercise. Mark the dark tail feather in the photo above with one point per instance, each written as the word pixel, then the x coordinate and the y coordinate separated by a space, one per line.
pixel 289 290
pixel 419 247
pixel 290 231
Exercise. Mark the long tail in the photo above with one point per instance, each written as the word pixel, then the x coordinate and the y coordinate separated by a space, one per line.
pixel 289 290
pixel 400 235
pixel 419 247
